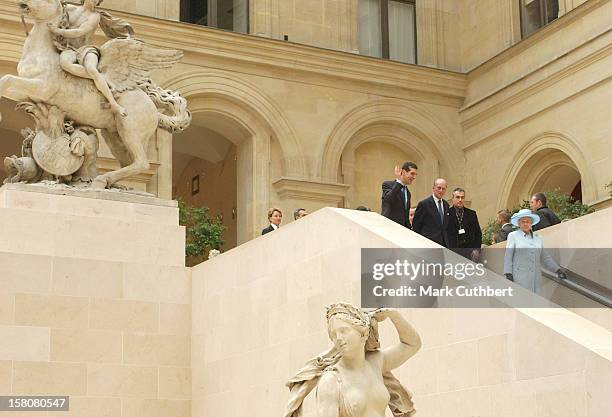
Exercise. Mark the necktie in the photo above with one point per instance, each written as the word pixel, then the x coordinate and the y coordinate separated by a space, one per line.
pixel 405 191
pixel 441 211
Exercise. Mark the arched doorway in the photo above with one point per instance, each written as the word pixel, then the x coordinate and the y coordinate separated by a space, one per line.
pixel 371 139
pixel 240 113
pixel 564 178
pixel 204 169
pixel 370 156
pixel 546 170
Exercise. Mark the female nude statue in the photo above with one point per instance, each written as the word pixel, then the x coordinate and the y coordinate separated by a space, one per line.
pixel 353 378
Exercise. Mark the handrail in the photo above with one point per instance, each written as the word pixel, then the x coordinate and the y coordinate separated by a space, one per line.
pixel 583 286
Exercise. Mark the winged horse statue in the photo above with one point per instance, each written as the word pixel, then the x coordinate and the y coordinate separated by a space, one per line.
pixel 125 63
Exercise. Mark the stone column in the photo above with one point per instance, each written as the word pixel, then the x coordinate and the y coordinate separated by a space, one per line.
pixel 430 39
pixel 264 16
pixel 253 173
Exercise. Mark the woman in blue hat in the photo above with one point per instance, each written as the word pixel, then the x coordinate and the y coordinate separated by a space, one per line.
pixel 525 253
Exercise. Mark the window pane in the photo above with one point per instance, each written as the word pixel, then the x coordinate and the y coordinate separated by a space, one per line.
pixel 401 32
pixel 232 15
pixel 552 10
pixel 194 11
pixel 531 16
pixel 370 42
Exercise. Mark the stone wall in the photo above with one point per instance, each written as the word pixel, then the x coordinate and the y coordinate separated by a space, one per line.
pixel 95 303
pixel 258 315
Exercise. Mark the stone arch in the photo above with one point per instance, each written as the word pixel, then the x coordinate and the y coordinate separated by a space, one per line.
pixel 240 112
pixel 545 152
pixel 260 106
pixel 374 137
pixel 425 134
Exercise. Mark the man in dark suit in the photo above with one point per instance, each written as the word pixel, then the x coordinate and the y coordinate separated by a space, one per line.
pixel 503 219
pixel 396 196
pixel 431 215
pixel 539 207
pixel 463 229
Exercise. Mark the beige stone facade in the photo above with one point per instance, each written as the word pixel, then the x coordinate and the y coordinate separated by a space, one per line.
pixel 105 320
pixel 285 124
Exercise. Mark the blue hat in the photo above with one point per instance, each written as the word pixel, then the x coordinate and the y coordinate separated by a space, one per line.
pixel 535 219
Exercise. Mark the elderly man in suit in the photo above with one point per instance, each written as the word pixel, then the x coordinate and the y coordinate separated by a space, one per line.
pixel 503 219
pixel 463 229
pixel 396 196
pixel 431 215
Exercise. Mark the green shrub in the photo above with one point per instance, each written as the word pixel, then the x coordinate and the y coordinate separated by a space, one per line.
pixel 609 186
pixel 564 206
pixel 489 230
pixel 203 232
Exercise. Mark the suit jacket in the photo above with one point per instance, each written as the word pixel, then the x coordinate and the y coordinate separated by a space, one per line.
pixel 427 222
pixel 393 205
pixel 267 230
pixel 503 233
pixel 471 239
pixel 547 218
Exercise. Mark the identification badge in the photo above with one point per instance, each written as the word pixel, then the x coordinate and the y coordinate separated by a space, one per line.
pixel 461 231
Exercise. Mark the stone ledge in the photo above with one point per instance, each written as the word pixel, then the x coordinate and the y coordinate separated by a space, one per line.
pixel 310 190
pixel 110 195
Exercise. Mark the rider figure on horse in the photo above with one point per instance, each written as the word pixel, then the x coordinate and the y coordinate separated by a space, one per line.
pixel 79 56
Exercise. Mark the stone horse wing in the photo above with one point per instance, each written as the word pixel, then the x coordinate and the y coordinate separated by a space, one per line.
pixel 127 63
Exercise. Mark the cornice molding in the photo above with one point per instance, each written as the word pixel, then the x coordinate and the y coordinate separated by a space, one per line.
pixel 270 57
pixel 310 190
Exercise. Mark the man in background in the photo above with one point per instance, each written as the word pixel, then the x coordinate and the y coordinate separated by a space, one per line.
pixel 299 213
pixel 503 219
pixel 539 207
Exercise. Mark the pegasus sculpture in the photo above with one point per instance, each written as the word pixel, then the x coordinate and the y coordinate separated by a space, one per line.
pixel 72 88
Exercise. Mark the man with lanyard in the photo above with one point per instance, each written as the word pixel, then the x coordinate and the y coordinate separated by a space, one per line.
pixel 463 230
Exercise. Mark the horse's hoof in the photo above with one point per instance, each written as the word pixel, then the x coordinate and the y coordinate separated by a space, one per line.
pixel 98 184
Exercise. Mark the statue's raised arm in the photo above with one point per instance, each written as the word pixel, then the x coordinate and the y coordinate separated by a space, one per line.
pixel 353 378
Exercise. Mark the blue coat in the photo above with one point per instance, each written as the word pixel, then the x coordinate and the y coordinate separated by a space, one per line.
pixel 523 259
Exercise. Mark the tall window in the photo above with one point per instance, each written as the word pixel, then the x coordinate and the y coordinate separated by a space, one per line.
pixel 387 29
pixel 536 14
pixel 223 14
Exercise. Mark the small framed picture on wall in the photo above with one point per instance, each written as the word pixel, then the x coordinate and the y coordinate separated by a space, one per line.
pixel 195 185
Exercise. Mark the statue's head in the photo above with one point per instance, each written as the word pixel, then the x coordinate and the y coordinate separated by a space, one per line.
pixel 349 328
pixel 40 10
